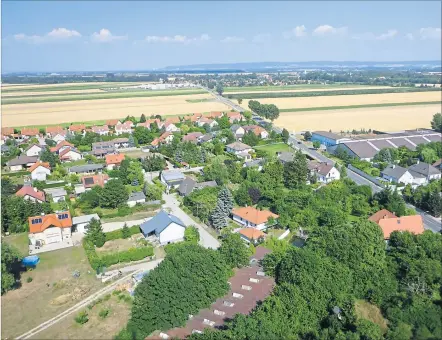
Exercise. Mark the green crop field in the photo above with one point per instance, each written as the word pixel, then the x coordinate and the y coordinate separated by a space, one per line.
pixel 46 88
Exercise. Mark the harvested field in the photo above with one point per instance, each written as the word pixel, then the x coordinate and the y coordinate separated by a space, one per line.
pixel 63 86
pixel 381 118
pixel 39 93
pixel 348 100
pixel 102 109
pixel 335 86
pixel 276 89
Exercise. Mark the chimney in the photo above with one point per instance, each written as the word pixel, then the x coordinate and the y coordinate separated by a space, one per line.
pixel 35 189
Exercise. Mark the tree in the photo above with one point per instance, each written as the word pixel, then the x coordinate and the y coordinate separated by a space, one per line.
pixel 219 89
pixel 285 135
pixel 428 155
pixel 391 201
pixel 125 232
pixel 123 170
pixel 296 172
pixel 153 192
pixel 218 217
pixel 49 157
pixel 191 234
pixel 223 122
pixel 154 163
pixel 239 101
pixel 307 136
pixel 384 155
pixel 234 251
pixel 255 194
pixel 216 171
pixel 11 258
pixel 143 135
pixel 50 142
pixel 316 144
pixel 135 173
pixel 250 138
pixel 95 233
pixel 142 118
pixel 436 122
pixel 113 194
pixel 225 196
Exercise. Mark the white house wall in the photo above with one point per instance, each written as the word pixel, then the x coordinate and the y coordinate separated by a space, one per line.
pixel 173 233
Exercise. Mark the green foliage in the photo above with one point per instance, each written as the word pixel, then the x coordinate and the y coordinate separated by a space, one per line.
pixel 113 194
pixel 250 138
pixel 316 144
pixel 436 122
pixel 47 156
pixel 135 173
pixel 202 202
pixel 104 313
pixel 82 318
pixel 125 232
pixel 143 135
pixel 285 135
pixel 391 201
pixel 189 278
pixel 296 172
pixel 29 279
pixel 234 250
pixel 269 111
pixel 153 192
pixel 11 259
pixel 118 234
pixel 216 171
pixel 191 234
pixel 154 163
pixel 426 197
pixel 219 88
pixel 95 233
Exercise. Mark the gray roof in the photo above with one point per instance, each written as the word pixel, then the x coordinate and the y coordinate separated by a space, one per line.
pixel 136 196
pixel 424 169
pixel 86 168
pixel 22 160
pixel 417 140
pixel 207 184
pixel 238 146
pixel 120 140
pixel 159 222
pixel 234 128
pixel 186 186
pixel 172 175
pixel 403 142
pixel 4 148
pixel 55 192
pixel 286 156
pixel 416 174
pixel 84 218
pixel 329 135
pixel 206 137
pixel 362 149
pixel 255 162
pixel 394 171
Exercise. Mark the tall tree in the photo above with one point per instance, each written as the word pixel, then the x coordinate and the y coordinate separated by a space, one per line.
pixel 47 156
pixel 113 194
pixel 142 118
pixel 95 233
pixel 285 135
pixel 11 258
pixel 135 173
pixel 296 172
pixel 218 217
pixel 220 88
pixel 225 196
pixel 234 251
pixel 436 123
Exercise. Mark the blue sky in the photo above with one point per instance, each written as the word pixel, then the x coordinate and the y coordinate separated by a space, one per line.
pixel 85 35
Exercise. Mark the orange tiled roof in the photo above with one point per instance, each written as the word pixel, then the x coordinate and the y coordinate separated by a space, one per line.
pixel 155 142
pixel 377 216
pixel 254 215
pixel 30 191
pixel 78 127
pixel 114 158
pixel 173 120
pixel 6 131
pixel 36 165
pixel 96 180
pixel 29 132
pixel 54 129
pixel 251 233
pixel 49 220
pixel 65 151
pixel 165 135
pixel 60 145
pixel 413 224
pixel 112 122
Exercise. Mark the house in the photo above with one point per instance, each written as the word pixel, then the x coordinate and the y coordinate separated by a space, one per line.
pixel 100 149
pixel 238 131
pixel 413 224
pixel 79 189
pixel 122 142
pixel 6 132
pixel 205 138
pixel 59 137
pixel 101 130
pixel 213 114
pixel 33 150
pixel 69 155
pixel 166 137
pixel 86 169
pixel 146 125
pixel 40 170
pixel 424 170
pixel 251 235
pixel 240 149
pixel 170 127
pixel 192 137
pixel 4 149
pixel 31 194
pixel 165 227
pixel 125 127
pixel 325 172
pixel 384 213
pixel 29 132
pixel 172 178
pixel 51 228
pixel 57 194
pixel 203 121
pixel 112 123
pixel 173 120
pixel 136 197
pixel 93 180
pixel 285 156
pixel 234 117
pixel 438 164
pixel 21 162
pixel 77 128
pixel 252 217
pixel 257 130
pixel 113 160
pixel 327 138
pixel 52 131
pixel 81 223
pixel 397 174
pixel 63 145
pixel 255 163
pixel 189 184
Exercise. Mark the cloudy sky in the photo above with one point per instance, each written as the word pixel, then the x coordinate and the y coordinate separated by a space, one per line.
pixel 88 36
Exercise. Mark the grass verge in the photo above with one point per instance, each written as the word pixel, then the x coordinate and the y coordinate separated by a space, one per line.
pixel 367 311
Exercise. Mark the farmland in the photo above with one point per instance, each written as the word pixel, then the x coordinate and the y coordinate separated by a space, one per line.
pixel 299 88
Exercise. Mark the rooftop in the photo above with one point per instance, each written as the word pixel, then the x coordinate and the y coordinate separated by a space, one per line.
pixel 136 196
pixel 251 233
pixel 254 215
pixel 85 218
pixel 22 160
pixel 159 222
pixel 30 191
pixel 38 224
pixel 86 168
pixel 384 213
pixel 424 169
pixel 114 158
pixel 172 175
pixel 329 135
pixel 238 146
pixel 413 224
pixel 395 171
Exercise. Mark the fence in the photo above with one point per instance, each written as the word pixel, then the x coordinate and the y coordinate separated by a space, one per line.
pixel 366 176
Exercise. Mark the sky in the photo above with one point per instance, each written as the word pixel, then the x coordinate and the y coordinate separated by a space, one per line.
pixel 56 36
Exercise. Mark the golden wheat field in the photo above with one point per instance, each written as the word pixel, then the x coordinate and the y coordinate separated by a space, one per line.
pixel 48 93
pixel 348 100
pixel 102 109
pixel 392 118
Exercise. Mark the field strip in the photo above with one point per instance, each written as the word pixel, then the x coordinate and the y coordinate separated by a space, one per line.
pixel 343 107
pixel 297 87
pixel 47 93
pixel 292 89
pixel 66 86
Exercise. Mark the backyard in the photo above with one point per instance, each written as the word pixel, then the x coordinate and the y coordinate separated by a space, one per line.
pixel 274 148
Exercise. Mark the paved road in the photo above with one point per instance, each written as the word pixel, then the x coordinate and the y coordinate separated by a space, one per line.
pixel 149 176
pixel 223 100
pixel 132 269
pixel 206 239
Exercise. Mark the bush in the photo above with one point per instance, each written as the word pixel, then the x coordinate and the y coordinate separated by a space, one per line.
pixel 133 254
pixel 124 210
pixel 107 297
pixel 117 234
pixel 82 318
pixel 104 313
pixel 29 279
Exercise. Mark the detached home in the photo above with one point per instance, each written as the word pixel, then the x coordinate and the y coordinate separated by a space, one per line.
pixel 31 194
pixel 166 228
pixel 170 127
pixel 69 155
pixel 59 137
pixel 93 180
pixel 52 228
pixel 57 194
pixel 397 174
pixel 240 149
pixel 101 130
pixel 125 127
pixel 324 172
pixel 203 121
pixel 21 162
pixel 40 170
pixel 424 170
pixel 192 137
pixel 77 128
pixel 63 145
pixel 390 223
pixel 85 169
pixel 114 160
pixel 252 217
pixel 251 235
pixel 234 117
pixel 33 150
pixel 238 131
pixel 172 178
pixel 257 130
pixel 52 131
pixel 29 132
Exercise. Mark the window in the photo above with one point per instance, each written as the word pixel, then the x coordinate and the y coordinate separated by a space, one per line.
pixel 237 296
pixel 62 216
pixel 219 312
pixel 254 280
pixel 245 287
pixel 228 304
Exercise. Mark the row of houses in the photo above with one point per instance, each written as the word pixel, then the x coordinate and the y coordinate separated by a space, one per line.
pixel 417 174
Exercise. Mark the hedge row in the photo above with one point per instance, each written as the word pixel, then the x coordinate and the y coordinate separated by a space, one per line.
pixel 116 234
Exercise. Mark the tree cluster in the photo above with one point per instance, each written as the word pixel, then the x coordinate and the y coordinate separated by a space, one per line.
pixel 221 213
pixel 112 195
pixel 269 111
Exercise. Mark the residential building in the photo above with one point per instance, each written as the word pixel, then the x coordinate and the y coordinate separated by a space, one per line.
pixel 252 217
pixel 57 194
pixel 166 137
pixel 52 228
pixel 234 117
pixel 111 123
pixel 414 224
pixel 213 114
pixel 81 223
pixel 122 142
pixel 101 149
pixel 438 164
pixel 21 162
pixel 90 181
pixel 136 197
pixel 170 127
pixel 327 138
pixel 69 155
pixel 285 156
pixel 251 235
pixel 102 130
pixel 79 128
pixel 52 131
pixel 31 194
pixel 59 137
pixel 29 132
pixel 125 127
pixel 7 132
pixel 257 130
pixel 324 172
pixel 166 228
pixel 113 160
pixel 33 150
pixel 206 138
pixel 426 170
pixel 255 163
pixel 384 213
pixel 173 120
pixel 63 145
pixel 172 178
pixel 86 169
pixel 397 174
pixel 4 149
pixel 189 184
pixel 192 137
pixel 203 121
pixel 40 170
pixel 238 131
pixel 240 149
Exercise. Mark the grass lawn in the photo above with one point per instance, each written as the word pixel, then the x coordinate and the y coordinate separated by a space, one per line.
pixel 74 163
pixel 367 311
pixel 20 241
pixel 274 148
pixel 135 216
pixel 118 245
pixel 52 290
pixel 96 327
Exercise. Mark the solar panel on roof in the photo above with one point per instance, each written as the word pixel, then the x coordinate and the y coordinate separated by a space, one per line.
pixel 89 181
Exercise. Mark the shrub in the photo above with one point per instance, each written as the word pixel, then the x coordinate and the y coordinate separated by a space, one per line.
pixel 107 297
pixel 82 318
pixel 117 234
pixel 29 279
pixel 104 313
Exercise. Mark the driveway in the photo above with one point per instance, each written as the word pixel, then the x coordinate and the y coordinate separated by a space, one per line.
pixel 206 239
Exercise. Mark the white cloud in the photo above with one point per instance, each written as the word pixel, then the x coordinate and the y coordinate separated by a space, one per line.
pixel 56 35
pixel 430 33
pixel 323 30
pixel 389 35
pixel 409 36
pixel 104 35
pixel 176 39
pixel 261 38
pixel 233 40
pixel 298 31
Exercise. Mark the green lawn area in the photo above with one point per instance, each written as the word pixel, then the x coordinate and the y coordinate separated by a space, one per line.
pixel 20 241
pixel 288 87
pixel 73 163
pixel 274 148
pixel 367 311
